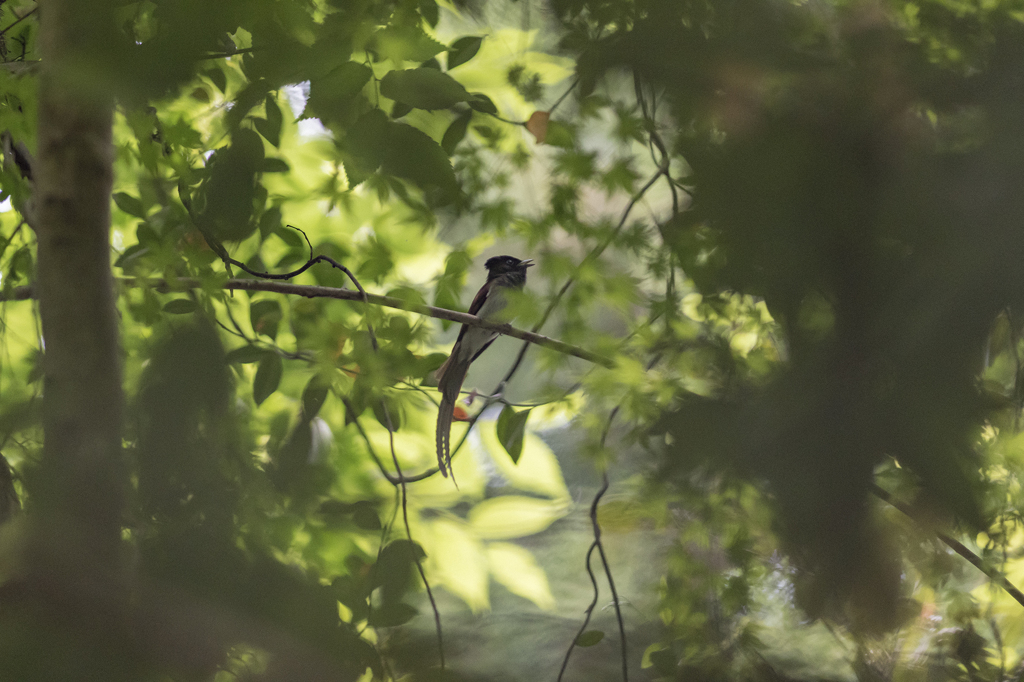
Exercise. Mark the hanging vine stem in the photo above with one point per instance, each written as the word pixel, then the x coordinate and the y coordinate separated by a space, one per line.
pixel 599 546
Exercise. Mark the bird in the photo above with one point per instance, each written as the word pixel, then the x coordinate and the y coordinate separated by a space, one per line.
pixel 503 273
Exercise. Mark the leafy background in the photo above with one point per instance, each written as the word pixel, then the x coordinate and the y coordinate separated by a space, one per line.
pixel 793 230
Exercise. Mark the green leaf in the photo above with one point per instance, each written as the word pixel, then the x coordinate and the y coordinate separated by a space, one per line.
pixel 366 142
pixel 391 615
pixel 456 132
pixel 130 254
pixel 366 517
pixel 268 377
pixel 429 12
pixel 335 97
pixel 314 395
pixel 589 638
pixel 245 355
pixel 274 165
pixel 511 429
pixel 514 516
pixel 265 316
pixel 249 97
pixel 216 74
pixel 413 155
pixel 400 110
pixel 130 205
pixel 560 135
pixel 180 306
pixel 405 43
pixel 392 418
pixel 463 49
pixel 423 88
pixel 482 103
pixel 394 568
pixel 517 570
pixel 275 120
pixel 270 221
pixel 230 191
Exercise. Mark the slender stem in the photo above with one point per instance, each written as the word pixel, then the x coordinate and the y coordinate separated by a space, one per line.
pixel 957 546
pixel 19 20
pixel 589 611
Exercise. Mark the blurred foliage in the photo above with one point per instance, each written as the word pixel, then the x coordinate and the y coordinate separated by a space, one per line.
pixel 795 226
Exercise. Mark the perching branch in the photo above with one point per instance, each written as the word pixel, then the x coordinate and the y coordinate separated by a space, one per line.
pixel 309 291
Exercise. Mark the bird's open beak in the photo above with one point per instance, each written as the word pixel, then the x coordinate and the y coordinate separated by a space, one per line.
pixel 527 263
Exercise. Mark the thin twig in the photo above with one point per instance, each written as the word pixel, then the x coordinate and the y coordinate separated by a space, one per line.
pixel 19 20
pixel 564 95
pixel 223 55
pixel 995 576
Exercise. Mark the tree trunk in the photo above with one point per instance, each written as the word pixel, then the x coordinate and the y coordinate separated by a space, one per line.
pixel 81 483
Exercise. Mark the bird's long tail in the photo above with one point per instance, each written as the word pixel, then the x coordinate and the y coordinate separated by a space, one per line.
pixel 449 383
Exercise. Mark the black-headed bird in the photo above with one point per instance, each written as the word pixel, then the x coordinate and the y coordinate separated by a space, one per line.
pixel 503 273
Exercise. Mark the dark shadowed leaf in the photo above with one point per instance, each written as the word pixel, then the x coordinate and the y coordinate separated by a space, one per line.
pixel 429 12
pixel 268 377
pixel 482 103
pixel 275 120
pixel 393 571
pixel 180 306
pixel 391 417
pixel 274 165
pixel 265 316
pixel 400 110
pixel 335 97
pixel 314 395
pixel 589 638
pixel 456 132
pixel 366 517
pixel 130 205
pixel 390 615
pixel 245 355
pixel 463 49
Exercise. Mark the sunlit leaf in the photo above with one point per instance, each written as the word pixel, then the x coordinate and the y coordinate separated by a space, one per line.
pixel 518 571
pixel 513 516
